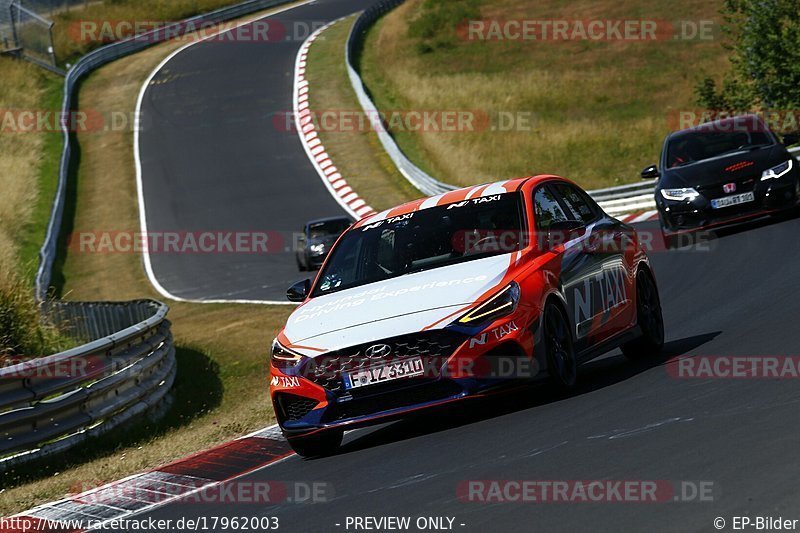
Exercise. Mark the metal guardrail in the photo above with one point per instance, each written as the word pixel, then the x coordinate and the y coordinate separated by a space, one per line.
pixel 418 177
pixel 50 404
pixel 90 62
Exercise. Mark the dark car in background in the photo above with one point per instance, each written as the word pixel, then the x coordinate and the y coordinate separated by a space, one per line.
pixel 723 172
pixel 317 239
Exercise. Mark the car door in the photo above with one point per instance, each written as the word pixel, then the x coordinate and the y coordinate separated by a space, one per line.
pixel 595 275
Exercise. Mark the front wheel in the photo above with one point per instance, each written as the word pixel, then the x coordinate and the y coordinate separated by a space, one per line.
pixel 317 445
pixel 649 317
pixel 561 363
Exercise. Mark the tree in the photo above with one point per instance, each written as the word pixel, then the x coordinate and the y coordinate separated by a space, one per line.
pixel 765 61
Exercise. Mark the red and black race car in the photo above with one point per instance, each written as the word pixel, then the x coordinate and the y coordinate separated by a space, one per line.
pixel 454 296
pixel 723 172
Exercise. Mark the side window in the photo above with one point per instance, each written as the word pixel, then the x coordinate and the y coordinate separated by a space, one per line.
pixel 578 203
pixel 547 209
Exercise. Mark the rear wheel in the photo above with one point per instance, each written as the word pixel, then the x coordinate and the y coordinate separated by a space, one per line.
pixel 317 445
pixel 561 363
pixel 649 318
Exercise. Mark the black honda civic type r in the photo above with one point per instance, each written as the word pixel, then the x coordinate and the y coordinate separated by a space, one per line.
pixel 723 172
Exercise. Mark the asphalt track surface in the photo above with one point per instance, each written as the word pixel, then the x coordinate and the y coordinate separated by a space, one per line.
pixel 738 295
pixel 627 421
pixel 214 159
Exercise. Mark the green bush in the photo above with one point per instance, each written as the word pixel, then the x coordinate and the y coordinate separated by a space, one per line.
pixel 437 24
pixel 765 64
pixel 22 335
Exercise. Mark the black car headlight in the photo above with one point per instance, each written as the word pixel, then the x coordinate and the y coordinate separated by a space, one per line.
pixel 777 171
pixel 501 304
pixel 283 357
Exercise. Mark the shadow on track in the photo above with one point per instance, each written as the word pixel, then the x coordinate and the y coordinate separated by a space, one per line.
pixel 593 376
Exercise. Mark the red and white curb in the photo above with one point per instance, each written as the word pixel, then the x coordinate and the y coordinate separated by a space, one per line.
pixel 309 137
pixel 635 218
pixel 199 473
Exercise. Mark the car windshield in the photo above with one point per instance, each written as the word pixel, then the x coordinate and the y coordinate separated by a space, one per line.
pixel 423 240
pixel 328 228
pixel 693 146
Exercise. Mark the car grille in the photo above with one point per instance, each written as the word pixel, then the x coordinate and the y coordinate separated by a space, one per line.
pixel 743 185
pixel 295 407
pixel 407 397
pixel 435 347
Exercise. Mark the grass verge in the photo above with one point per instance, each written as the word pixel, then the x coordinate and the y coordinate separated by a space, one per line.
pixel 357 151
pixel 29 155
pixel 220 392
pixel 596 111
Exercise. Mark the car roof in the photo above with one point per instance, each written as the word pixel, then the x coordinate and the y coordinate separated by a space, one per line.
pixel 458 195
pixel 724 124
pixel 329 219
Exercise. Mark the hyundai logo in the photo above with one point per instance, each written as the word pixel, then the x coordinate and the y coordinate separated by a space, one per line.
pixel 378 350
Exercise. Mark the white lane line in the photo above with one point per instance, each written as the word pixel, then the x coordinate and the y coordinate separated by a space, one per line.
pixel 148 266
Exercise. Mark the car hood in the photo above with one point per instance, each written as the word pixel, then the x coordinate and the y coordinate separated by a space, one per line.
pixel 393 307
pixel 723 169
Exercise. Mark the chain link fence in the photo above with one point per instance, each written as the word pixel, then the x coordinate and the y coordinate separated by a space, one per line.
pixel 48 7
pixel 33 34
pixel 7 39
pixel 24 31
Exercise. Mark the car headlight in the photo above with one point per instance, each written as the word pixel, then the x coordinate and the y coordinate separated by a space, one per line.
pixel 317 248
pixel 501 304
pixel 777 171
pixel 687 193
pixel 283 357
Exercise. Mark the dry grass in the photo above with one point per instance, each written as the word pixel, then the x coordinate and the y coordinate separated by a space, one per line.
pixel 26 157
pixel 20 156
pixel 358 155
pixel 600 109
pixel 70 42
pixel 221 391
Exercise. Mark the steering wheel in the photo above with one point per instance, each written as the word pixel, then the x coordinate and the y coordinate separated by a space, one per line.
pixel 475 248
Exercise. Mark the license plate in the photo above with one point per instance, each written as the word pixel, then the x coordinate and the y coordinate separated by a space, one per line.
pixel 736 199
pixel 407 368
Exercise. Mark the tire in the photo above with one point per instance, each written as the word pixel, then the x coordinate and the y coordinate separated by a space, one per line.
pixel 300 266
pixel 318 444
pixel 562 366
pixel 649 318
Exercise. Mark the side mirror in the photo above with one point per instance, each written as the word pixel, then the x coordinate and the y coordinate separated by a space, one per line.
pixel 651 173
pixel 791 138
pixel 299 291
pixel 561 232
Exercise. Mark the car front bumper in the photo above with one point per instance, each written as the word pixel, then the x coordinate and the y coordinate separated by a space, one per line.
pixel 770 196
